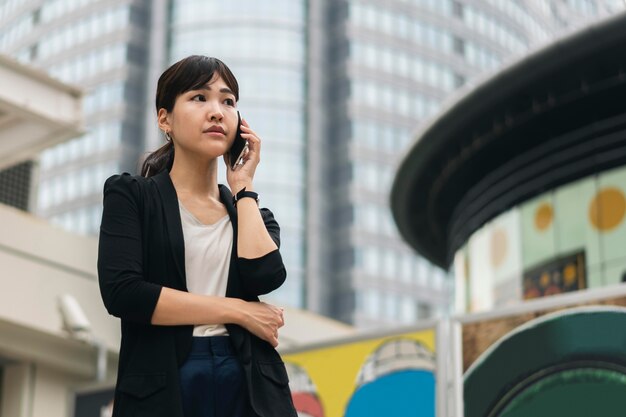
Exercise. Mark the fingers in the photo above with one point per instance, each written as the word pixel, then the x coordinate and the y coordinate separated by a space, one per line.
pixel 267 319
pixel 271 337
pixel 280 322
pixel 250 135
pixel 251 157
pixel 282 317
pixel 245 127
pixel 279 311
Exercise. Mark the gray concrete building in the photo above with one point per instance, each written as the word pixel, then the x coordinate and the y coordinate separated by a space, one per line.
pixel 100 47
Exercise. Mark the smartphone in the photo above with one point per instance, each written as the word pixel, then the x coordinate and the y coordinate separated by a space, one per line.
pixel 237 150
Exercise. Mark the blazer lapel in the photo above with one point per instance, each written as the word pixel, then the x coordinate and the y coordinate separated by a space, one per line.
pixel 227 199
pixel 238 335
pixel 169 200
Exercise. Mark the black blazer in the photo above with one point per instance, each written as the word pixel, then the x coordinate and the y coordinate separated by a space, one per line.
pixel 141 250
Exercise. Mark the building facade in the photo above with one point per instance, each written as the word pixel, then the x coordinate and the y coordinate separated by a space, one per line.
pixel 389 67
pixel 41 359
pixel 100 47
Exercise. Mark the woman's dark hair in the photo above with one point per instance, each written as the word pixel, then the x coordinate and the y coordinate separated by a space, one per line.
pixel 187 74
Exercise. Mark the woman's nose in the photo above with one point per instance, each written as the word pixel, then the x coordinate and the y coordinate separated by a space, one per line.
pixel 215 113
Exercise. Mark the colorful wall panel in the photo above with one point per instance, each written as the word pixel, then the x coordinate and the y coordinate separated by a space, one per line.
pixel 393 375
pixel 565 239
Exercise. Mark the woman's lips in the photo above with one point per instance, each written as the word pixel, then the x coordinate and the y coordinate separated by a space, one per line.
pixel 215 129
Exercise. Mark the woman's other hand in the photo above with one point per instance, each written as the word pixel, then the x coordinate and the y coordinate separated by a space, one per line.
pixel 243 174
pixel 263 320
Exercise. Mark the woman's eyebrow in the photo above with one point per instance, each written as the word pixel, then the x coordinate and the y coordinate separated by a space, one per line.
pixel 222 90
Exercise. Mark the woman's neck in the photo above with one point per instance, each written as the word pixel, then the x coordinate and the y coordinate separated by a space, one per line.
pixel 193 178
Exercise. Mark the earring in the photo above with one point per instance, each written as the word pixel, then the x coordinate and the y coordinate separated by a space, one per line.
pixel 168 137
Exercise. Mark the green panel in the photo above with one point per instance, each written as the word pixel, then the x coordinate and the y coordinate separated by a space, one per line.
pixel 506 258
pixel 572 393
pixel 613 241
pixel 462 296
pixel 505 233
pixel 481 271
pixel 595 277
pixel 537 245
pixel 573 230
pixel 614 271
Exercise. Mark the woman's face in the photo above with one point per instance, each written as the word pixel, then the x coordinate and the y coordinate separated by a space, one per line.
pixel 203 122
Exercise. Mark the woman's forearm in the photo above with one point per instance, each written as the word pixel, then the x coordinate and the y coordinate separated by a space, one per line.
pixel 180 308
pixel 253 239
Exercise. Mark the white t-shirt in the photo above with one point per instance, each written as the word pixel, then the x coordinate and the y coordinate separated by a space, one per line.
pixel 207 260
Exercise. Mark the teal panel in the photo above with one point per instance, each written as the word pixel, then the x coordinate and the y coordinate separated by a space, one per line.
pixel 573 393
pixel 579 339
pixel 404 393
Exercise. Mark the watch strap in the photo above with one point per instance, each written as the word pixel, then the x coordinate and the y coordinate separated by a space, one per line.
pixel 243 194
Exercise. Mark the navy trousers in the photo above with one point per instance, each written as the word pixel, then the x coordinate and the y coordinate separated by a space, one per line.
pixel 212 380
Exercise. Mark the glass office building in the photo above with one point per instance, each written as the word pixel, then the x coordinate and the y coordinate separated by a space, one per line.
pixel 264 44
pixel 391 66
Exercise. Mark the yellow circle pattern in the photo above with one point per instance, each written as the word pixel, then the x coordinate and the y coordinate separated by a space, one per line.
pixel 607 209
pixel 544 216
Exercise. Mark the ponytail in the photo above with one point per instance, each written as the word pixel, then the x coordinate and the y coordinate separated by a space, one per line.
pixel 159 160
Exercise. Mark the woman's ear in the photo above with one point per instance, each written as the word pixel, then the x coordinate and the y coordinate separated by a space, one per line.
pixel 164 120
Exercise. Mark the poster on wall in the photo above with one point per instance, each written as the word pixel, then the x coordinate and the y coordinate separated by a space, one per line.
pixel 384 376
pixel 564 274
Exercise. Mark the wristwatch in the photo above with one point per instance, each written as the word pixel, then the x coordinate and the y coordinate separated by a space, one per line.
pixel 243 194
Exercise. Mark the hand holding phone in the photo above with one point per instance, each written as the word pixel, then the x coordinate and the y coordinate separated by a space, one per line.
pixel 239 147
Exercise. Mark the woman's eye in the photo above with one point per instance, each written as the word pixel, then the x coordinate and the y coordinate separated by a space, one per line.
pixel 198 97
pixel 230 101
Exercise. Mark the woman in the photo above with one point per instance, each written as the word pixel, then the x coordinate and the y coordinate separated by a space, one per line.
pixel 182 263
